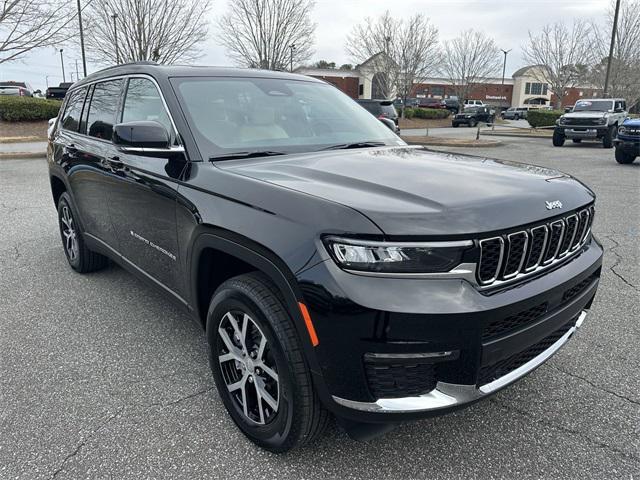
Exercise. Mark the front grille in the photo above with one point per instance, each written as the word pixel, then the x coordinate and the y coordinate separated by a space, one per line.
pixel 514 322
pixel 499 369
pixel 583 121
pixel 506 256
pixel 578 288
pixel 394 379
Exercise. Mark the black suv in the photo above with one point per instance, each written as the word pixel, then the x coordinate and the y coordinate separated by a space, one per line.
pixel 380 109
pixel 333 268
pixel 471 116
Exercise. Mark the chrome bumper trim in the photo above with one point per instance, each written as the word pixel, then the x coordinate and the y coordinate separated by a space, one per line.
pixel 447 395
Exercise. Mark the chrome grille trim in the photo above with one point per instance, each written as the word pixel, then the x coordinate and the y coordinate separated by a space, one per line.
pixel 547 258
pixel 500 258
pixel 544 246
pixel 522 254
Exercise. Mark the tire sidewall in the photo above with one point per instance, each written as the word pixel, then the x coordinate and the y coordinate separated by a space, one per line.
pixel 65 201
pixel 277 432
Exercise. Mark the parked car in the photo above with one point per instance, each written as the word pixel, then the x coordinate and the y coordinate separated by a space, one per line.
pixel 628 141
pixel 334 269
pixel 381 109
pixel 431 103
pixel 473 103
pixel 596 119
pixel 452 105
pixel 568 109
pixel 59 92
pixel 471 116
pixel 18 89
pixel 515 113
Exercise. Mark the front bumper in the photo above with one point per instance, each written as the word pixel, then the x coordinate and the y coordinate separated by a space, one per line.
pixel 356 317
pixel 631 144
pixel 448 395
pixel 583 132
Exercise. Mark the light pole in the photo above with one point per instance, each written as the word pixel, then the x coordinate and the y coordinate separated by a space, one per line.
pixel 504 65
pixel 84 60
pixel 115 35
pixel 64 79
pixel 292 47
pixel 77 73
pixel 613 41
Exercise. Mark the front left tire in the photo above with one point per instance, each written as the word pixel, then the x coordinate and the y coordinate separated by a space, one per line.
pixel 623 157
pixel 80 258
pixel 257 362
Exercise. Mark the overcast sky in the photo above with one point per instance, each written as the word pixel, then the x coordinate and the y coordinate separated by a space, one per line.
pixel 506 20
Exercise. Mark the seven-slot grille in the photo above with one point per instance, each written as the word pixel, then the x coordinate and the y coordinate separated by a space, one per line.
pixel 504 257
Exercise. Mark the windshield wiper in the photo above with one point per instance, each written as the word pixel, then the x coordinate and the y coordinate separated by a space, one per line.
pixel 236 155
pixel 345 146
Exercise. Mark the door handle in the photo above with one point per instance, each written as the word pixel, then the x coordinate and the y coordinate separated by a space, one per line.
pixel 69 149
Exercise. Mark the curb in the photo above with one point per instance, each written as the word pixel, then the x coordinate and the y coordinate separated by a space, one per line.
pixel 448 143
pixel 21 155
pixel 28 139
pixel 520 135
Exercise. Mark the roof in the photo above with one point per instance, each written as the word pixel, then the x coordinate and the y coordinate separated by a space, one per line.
pixel 327 72
pixel 522 72
pixel 168 71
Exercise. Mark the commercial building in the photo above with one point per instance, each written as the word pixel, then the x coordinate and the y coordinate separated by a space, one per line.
pixel 521 90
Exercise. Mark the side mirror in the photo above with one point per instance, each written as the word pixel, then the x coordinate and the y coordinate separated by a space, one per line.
pixel 141 136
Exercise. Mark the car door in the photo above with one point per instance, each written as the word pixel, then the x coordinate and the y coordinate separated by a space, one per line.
pixel 82 158
pixel 143 193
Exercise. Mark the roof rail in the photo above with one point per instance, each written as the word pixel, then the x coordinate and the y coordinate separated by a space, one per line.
pixel 141 62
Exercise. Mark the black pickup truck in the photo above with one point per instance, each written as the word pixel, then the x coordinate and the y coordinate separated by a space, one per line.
pixel 59 92
pixel 333 268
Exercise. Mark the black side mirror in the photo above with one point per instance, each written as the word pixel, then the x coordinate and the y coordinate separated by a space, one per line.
pixel 138 136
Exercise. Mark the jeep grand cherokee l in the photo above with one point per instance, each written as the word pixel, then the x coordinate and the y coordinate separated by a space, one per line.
pixel 333 268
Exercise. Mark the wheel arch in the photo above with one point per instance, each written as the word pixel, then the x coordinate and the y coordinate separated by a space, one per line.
pixel 58 187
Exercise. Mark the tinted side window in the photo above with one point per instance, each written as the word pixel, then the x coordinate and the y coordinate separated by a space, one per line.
pixel 103 108
pixel 143 102
pixel 71 117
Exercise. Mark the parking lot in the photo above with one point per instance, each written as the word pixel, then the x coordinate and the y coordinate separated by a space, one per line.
pixel 102 377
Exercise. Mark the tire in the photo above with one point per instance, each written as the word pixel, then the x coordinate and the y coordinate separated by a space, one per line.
pixel 607 140
pixel 455 125
pixel 80 258
pixel 298 417
pixel 516 117
pixel 473 123
pixel 623 157
pixel 558 139
pixel 576 140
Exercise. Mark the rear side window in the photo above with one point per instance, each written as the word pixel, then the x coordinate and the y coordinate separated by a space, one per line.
pixel 389 110
pixel 143 102
pixel 371 107
pixel 103 109
pixel 71 117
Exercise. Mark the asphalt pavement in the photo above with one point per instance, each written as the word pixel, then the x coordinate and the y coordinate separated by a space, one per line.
pixel 102 377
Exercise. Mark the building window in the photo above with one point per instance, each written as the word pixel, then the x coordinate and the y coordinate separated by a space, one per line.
pixel 535 88
pixel 437 91
pixel 361 89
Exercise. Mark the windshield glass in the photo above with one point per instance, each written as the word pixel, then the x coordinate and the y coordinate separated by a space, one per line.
pixel 471 109
pixel 593 106
pixel 388 110
pixel 229 115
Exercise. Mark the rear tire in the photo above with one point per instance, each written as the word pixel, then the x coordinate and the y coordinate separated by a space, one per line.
pixel 455 125
pixel 473 123
pixel 558 139
pixel 623 157
pixel 516 117
pixel 280 370
pixel 80 258
pixel 607 140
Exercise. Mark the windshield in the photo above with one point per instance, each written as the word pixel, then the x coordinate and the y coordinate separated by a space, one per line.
pixel 229 115
pixel 389 110
pixel 593 106
pixel 471 109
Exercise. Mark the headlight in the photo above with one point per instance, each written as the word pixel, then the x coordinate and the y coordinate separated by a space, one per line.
pixel 602 121
pixel 622 130
pixel 389 257
pixel 563 120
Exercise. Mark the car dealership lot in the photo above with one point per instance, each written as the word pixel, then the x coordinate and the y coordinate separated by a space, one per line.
pixel 102 377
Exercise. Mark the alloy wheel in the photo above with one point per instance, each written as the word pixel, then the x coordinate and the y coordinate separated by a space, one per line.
pixel 69 233
pixel 248 367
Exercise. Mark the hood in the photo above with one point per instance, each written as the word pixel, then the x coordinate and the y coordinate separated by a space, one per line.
pixel 632 122
pixel 585 114
pixel 409 191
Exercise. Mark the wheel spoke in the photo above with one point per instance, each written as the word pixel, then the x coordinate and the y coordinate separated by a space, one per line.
pixel 263 344
pixel 269 371
pixel 232 349
pixel 239 384
pixel 234 323
pixel 260 407
pixel 266 396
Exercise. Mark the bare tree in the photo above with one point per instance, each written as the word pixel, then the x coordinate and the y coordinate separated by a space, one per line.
pixel 561 52
pixel 26 25
pixel 467 60
pixel 164 31
pixel 402 51
pixel 268 34
pixel 624 78
pixel 372 40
